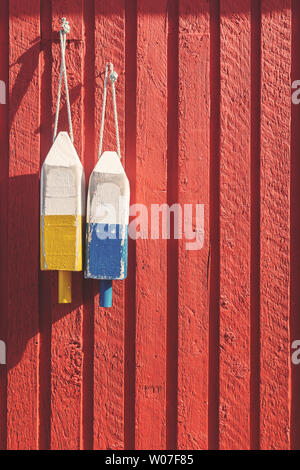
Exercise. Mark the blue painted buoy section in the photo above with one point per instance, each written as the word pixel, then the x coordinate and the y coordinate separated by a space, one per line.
pixel 105 293
pixel 106 251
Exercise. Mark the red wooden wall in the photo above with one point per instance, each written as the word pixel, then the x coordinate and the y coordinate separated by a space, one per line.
pixel 195 353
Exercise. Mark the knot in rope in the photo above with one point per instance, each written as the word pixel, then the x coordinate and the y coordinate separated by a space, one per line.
pixel 65 27
pixel 113 77
pixel 113 74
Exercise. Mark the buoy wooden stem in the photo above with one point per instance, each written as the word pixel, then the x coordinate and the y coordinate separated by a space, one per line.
pixel 64 287
pixel 105 293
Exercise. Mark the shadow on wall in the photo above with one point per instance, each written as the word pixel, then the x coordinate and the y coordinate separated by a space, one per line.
pixel 29 62
pixel 151 7
pixel 27 316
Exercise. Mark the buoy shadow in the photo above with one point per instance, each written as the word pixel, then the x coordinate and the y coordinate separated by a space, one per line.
pixel 32 295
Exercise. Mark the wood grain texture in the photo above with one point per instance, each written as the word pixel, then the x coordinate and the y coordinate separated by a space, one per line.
pixel 209 121
pixel 275 220
pixel 214 221
pixel 66 339
pixel 235 239
pixel 151 186
pixel 23 208
pixel 193 187
pixel 109 324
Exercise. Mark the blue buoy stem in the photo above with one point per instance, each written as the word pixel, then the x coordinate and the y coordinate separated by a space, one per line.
pixel 105 293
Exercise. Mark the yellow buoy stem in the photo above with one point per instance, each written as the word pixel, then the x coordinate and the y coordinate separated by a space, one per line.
pixel 64 287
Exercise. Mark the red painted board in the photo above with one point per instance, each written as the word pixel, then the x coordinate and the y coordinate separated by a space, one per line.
pixel 295 232
pixel 172 244
pixel 3 208
pixel 274 224
pixel 151 255
pixel 235 217
pixel 109 323
pixel 66 338
pixel 193 254
pixel 130 287
pixel 46 278
pixel 23 225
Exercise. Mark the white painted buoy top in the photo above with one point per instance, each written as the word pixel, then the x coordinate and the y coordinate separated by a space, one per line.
pixel 62 180
pixel 109 193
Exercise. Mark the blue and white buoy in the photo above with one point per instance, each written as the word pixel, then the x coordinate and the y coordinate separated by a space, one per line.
pixel 107 225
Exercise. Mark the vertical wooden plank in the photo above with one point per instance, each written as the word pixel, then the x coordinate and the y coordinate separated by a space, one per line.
pixel 255 223
pixel 23 215
pixel 275 219
pixel 130 290
pixel 109 323
pixel 214 221
pixel 295 230
pixel 235 238
pixel 66 341
pixel 89 288
pixel 45 277
pixel 193 182
pixel 3 208
pixel 172 244
pixel 151 255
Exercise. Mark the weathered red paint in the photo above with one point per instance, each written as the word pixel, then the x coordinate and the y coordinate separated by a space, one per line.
pixel 275 224
pixel 235 238
pixel 193 186
pixel 3 214
pixel 195 352
pixel 22 226
pixel 151 269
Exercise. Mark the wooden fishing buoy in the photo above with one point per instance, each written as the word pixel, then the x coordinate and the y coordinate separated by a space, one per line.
pixel 107 215
pixel 62 201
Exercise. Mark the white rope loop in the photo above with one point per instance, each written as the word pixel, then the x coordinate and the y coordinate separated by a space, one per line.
pixel 65 29
pixel 113 76
pixel 103 111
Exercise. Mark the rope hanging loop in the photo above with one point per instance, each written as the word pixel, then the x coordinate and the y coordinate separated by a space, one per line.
pixel 113 76
pixel 65 29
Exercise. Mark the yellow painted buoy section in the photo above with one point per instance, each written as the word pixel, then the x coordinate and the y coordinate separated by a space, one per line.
pixel 61 242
